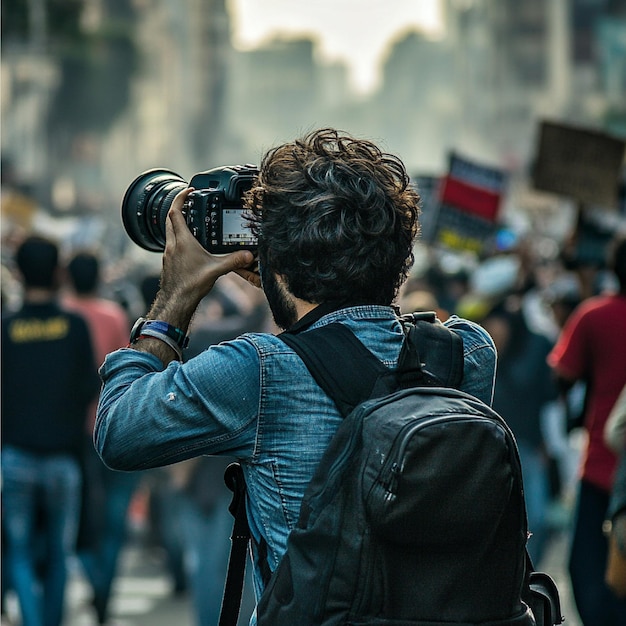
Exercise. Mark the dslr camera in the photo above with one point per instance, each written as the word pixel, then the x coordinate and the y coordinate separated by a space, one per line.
pixel 214 212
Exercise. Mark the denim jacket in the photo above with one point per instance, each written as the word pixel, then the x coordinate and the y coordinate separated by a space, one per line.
pixel 251 398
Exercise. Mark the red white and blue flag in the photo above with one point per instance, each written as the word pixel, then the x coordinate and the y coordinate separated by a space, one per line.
pixel 470 199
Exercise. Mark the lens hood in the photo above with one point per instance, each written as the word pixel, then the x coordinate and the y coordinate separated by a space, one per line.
pixel 145 205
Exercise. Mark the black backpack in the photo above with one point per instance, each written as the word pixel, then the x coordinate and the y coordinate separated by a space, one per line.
pixel 416 514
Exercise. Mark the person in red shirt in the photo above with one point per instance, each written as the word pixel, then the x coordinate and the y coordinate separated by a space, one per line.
pixel 592 347
pixel 107 494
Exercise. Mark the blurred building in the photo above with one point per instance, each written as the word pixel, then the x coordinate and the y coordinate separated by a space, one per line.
pixel 95 92
pixel 280 89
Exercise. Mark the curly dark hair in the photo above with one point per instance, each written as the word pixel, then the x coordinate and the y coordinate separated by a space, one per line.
pixel 336 218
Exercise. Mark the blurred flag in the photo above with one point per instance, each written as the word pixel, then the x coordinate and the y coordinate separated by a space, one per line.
pixel 469 204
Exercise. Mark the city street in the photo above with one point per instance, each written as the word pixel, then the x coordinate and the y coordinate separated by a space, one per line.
pixel 143 594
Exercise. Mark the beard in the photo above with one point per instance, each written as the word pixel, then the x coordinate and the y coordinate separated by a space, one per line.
pixel 282 307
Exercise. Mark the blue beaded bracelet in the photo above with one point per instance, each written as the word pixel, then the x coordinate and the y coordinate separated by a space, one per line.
pixel 158 326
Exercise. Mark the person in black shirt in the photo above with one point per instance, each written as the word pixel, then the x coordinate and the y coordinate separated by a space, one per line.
pixel 49 378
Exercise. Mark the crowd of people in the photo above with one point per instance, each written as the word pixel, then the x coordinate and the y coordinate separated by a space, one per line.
pixel 60 502
pixel 561 368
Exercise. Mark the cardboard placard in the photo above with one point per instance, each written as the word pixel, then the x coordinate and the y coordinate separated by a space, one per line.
pixel 580 163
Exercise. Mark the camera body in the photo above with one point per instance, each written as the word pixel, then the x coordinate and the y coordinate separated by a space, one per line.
pixel 214 211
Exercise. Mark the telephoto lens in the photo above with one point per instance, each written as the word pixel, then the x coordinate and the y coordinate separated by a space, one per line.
pixel 145 205
pixel 215 211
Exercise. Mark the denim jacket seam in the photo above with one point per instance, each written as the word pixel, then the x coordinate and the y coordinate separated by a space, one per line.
pixel 366 311
pixel 265 346
pixel 281 492
pixel 201 445
pixel 260 422
pixel 475 348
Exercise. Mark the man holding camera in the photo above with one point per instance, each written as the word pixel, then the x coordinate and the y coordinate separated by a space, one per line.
pixel 336 220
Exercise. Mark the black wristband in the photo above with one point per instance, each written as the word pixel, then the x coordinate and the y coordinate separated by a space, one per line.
pixel 164 328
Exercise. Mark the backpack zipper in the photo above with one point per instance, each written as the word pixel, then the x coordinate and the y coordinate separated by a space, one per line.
pixel 395 461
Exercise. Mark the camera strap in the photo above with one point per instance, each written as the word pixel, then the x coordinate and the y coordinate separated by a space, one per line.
pixel 240 536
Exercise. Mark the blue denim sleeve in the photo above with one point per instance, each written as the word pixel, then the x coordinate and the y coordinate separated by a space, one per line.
pixel 479 351
pixel 149 416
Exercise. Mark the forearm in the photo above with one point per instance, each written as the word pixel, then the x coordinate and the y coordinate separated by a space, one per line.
pixel 145 418
pixel 149 416
pixel 120 415
pixel 175 309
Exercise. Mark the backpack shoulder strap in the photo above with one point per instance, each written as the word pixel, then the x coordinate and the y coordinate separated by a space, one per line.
pixel 438 350
pixel 340 364
pixel 431 355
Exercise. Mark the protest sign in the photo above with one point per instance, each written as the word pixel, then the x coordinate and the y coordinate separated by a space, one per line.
pixel 580 163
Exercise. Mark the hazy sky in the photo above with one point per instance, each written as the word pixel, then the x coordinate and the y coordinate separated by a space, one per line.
pixel 353 31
